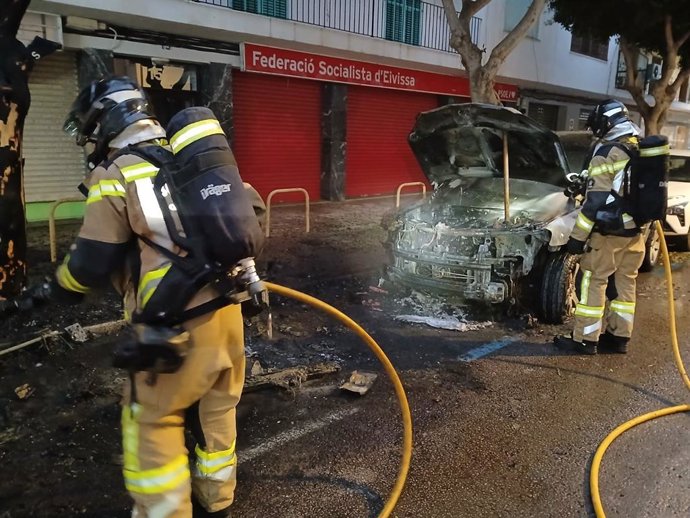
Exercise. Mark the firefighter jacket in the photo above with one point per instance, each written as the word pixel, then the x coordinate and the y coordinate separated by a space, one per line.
pixel 121 206
pixel 605 192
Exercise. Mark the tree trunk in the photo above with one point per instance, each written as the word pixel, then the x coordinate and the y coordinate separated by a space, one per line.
pixel 16 62
pixel 482 88
pixel 482 76
pixel 674 73
pixel 12 220
pixel 655 118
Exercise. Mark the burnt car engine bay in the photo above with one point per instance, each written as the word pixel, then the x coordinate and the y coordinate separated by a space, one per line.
pixel 467 240
pixel 480 264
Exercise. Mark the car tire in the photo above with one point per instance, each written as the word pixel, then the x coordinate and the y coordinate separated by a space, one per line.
pixel 652 251
pixel 558 293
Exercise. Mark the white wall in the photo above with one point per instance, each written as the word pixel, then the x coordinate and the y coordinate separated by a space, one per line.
pixel 548 59
pixel 195 19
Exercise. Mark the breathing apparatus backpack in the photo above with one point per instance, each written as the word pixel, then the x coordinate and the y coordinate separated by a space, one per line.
pixel 645 186
pixel 210 217
pixel 647 183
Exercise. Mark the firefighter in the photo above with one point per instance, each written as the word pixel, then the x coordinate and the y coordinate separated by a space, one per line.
pixel 121 221
pixel 611 242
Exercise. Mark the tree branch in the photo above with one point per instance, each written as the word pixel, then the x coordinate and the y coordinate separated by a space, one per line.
pixel 506 46
pixel 461 37
pixel 470 8
pixel 668 33
pixel 682 76
pixel 451 15
pixel 632 85
pixel 669 65
pixel 682 41
pixel 12 12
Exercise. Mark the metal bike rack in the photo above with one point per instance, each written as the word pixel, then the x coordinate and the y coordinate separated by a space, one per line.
pixel 51 225
pixel 282 191
pixel 408 184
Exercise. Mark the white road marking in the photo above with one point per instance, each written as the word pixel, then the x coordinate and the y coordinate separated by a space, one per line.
pixel 491 347
pixel 295 433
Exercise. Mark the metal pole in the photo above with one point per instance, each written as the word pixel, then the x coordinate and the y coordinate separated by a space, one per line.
pixel 506 178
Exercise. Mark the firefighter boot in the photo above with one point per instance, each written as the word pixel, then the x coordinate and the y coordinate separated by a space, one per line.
pixel 200 512
pixel 568 344
pixel 610 343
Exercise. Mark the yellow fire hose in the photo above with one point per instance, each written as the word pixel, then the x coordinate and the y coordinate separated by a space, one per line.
pixel 596 461
pixel 390 371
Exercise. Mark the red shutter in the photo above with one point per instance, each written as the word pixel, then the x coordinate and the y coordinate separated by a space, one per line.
pixel 378 124
pixel 277 133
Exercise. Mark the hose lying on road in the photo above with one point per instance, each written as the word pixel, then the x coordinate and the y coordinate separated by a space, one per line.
pixel 596 461
pixel 390 371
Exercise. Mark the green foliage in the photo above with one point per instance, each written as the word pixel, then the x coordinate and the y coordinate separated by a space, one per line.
pixel 641 22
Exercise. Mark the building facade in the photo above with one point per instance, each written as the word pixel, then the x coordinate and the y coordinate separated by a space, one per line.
pixel 318 94
pixel 562 76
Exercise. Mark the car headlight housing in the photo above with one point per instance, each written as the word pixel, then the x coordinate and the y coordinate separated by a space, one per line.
pixel 678 209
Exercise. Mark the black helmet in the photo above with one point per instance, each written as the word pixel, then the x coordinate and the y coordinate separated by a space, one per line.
pixel 606 115
pixel 103 109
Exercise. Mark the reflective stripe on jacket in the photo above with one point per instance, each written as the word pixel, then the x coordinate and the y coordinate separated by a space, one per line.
pixel 607 171
pixel 122 205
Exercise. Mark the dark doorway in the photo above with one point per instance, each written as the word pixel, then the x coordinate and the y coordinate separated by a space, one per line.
pixel 547 114
pixel 166 103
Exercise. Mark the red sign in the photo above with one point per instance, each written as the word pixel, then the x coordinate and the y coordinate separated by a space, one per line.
pixel 293 63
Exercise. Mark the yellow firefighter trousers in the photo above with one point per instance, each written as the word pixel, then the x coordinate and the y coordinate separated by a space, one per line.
pixel 156 468
pixel 608 255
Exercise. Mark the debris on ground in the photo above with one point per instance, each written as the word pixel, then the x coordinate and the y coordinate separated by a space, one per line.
pixel 451 323
pixel 360 382
pixel 437 312
pixel 77 333
pixel 24 391
pixel 106 328
pixel 372 304
pixel 290 378
pixel 257 369
pixel 43 338
pixel 74 332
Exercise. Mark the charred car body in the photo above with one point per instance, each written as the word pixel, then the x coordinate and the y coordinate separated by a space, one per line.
pixel 459 240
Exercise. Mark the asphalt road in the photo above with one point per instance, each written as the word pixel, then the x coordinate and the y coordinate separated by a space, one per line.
pixel 505 425
pixel 508 434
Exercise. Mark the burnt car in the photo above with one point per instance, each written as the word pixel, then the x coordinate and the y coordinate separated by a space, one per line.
pixel 480 235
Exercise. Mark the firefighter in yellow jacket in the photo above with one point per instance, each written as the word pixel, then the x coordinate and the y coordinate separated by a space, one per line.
pixel 121 239
pixel 612 243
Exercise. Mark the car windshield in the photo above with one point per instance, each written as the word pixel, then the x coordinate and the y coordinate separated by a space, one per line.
pixel 478 152
pixel 679 170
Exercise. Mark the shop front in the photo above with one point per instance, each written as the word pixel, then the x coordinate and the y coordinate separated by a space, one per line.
pixel 284 107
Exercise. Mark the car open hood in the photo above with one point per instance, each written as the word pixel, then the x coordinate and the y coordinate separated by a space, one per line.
pixel 461 141
pixel 480 205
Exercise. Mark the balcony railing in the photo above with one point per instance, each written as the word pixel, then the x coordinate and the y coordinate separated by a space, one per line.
pixel 415 23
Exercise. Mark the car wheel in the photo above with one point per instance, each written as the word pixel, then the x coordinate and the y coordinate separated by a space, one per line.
pixel 558 294
pixel 652 251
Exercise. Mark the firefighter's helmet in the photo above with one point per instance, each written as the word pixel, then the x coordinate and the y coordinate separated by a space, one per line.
pixel 103 110
pixel 606 115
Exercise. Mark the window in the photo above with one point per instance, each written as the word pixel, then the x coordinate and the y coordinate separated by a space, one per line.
pixel 646 71
pixel 403 20
pixel 277 8
pixel 590 46
pixel 679 169
pixel 515 10
pixel 582 119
